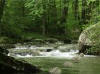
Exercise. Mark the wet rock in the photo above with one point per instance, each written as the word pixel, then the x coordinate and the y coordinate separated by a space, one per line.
pixel 68 47
pixel 76 59
pixel 24 52
pixel 55 70
pixel 68 64
pixel 49 50
pixel 51 40
pixel 7 46
pixel 83 48
pixel 3 51
pixel 67 41
pixel 81 54
pixel 39 41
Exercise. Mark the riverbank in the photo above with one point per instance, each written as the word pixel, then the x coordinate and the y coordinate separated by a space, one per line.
pixel 14 66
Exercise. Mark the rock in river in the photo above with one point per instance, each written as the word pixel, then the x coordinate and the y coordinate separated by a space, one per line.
pixel 89 37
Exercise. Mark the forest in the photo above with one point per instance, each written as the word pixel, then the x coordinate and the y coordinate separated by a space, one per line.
pixel 68 29
pixel 47 18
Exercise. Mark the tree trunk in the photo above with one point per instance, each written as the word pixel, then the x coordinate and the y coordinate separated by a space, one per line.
pixel 44 16
pixel 76 9
pixel 2 3
pixel 84 6
pixel 23 9
pixel 65 14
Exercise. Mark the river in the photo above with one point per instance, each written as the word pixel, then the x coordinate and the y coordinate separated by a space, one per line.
pixel 56 57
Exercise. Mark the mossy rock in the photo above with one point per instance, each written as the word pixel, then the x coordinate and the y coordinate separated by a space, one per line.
pixel 89 39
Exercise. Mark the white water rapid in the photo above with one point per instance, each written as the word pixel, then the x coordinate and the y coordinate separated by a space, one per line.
pixel 57 53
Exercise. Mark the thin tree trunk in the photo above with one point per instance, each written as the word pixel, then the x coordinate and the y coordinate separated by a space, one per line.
pixel 84 5
pixel 65 14
pixel 48 17
pixel 43 27
pixel 2 4
pixel 44 18
pixel 76 9
pixel 23 9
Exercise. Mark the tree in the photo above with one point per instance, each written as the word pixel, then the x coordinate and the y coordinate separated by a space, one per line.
pixel 84 11
pixel 65 13
pixel 48 17
pixel 2 4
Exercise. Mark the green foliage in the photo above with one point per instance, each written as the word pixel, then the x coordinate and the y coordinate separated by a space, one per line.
pixel 48 18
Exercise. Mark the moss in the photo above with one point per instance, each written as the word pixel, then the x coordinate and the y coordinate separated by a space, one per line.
pixel 91 37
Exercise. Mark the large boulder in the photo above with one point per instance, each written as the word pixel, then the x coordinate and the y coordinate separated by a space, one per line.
pixel 89 38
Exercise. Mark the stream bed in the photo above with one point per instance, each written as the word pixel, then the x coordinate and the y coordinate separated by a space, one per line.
pixel 64 57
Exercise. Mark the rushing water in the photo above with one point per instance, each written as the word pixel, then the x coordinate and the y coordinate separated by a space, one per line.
pixel 70 51
pixel 57 53
pixel 89 64
pixel 54 53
